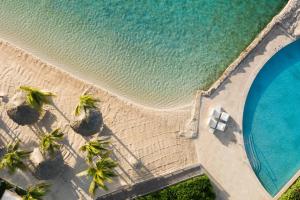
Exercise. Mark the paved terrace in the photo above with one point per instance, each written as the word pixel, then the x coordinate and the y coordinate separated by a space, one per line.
pixel 223 154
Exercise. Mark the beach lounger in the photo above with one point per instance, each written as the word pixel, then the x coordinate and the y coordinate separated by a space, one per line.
pixel 221 126
pixel 224 116
pixel 217 112
pixel 212 125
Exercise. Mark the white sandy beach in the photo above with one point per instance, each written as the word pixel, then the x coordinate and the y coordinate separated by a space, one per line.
pixel 136 132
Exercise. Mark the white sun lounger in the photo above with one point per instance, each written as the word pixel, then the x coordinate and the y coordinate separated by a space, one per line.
pixel 217 113
pixel 224 116
pixel 212 123
pixel 221 126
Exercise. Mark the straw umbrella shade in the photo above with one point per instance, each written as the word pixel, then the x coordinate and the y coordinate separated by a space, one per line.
pixel 26 105
pixel 89 119
pixel 47 159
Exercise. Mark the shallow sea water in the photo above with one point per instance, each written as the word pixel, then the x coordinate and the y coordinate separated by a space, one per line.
pixel 157 53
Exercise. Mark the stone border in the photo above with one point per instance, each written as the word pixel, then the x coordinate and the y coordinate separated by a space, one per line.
pixel 192 127
pixel 283 16
pixel 287 185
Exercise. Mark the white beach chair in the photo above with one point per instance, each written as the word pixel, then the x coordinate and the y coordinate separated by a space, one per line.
pixel 217 112
pixel 212 125
pixel 221 126
pixel 224 116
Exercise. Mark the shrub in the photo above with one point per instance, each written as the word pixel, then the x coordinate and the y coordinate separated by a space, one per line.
pixel 198 188
pixel 293 193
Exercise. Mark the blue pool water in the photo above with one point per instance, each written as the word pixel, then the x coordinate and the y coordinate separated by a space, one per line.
pixel 271 121
pixel 156 52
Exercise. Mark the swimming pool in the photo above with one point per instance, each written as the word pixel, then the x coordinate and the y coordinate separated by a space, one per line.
pixel 157 53
pixel 271 121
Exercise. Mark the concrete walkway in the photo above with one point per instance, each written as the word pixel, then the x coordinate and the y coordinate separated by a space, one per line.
pixel 223 154
pixel 154 184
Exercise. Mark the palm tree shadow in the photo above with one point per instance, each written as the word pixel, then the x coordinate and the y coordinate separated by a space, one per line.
pixel 70 184
pixel 47 121
pixel 135 164
pixel 71 180
pixel 51 102
pixel 7 130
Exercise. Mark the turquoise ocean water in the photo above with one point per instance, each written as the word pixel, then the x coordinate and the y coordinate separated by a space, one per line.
pixel 154 52
pixel 271 120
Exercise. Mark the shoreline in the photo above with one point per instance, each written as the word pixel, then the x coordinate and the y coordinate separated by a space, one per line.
pixel 57 66
pixel 136 133
pixel 126 95
pixel 277 19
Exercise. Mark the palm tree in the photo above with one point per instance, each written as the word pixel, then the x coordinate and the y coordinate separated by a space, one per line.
pixel 100 172
pixel 96 148
pixel 49 142
pixel 90 121
pixel 26 105
pixel 47 159
pixel 13 158
pixel 85 102
pixel 35 97
pixel 36 192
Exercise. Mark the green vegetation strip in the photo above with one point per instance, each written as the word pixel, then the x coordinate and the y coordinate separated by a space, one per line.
pixel 197 188
pixel 293 193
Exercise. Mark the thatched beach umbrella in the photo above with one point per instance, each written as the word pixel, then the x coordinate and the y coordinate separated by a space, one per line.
pixel 26 105
pixel 14 158
pixel 45 166
pixel 89 119
pixel 47 159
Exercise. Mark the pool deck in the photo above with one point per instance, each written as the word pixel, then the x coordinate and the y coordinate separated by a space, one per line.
pixel 223 155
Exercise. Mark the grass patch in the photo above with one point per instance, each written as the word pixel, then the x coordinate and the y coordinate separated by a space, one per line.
pixel 198 188
pixel 293 193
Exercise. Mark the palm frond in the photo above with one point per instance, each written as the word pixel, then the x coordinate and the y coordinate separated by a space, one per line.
pixel 49 142
pixel 92 187
pixel 36 98
pixel 96 148
pixel 14 158
pixel 36 192
pixel 100 172
pixel 85 102
pixel 83 173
